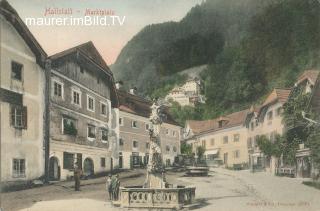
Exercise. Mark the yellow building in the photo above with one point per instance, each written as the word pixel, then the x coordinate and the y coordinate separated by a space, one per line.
pixel 224 139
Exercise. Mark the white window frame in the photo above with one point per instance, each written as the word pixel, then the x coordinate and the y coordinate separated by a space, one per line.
pixel 105 104
pixel 101 133
pixel 72 97
pixel 132 121
pixel 62 88
pixel 122 123
pixel 95 131
pixel 19 174
pixel 133 147
pixel 62 124
pixel 94 103
pixel 234 137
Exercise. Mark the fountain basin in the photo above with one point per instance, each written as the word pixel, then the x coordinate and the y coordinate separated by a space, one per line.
pixel 166 198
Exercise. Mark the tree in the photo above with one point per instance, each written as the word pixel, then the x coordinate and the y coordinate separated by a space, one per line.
pixel 186 149
pixel 270 148
pixel 200 152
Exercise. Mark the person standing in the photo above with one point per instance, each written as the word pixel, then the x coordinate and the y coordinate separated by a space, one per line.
pixel 117 187
pixel 77 174
pixel 109 186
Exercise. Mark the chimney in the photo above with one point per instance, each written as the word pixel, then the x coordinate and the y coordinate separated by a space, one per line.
pixel 119 84
pixel 133 90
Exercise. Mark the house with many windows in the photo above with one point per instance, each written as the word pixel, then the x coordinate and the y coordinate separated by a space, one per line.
pixel 134 112
pixel 22 100
pixel 83 113
pixel 224 139
pixel 266 120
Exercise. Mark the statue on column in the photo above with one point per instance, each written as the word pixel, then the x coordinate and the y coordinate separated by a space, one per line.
pixel 155 169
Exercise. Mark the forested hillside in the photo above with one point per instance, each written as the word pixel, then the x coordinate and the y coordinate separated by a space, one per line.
pixel 251 46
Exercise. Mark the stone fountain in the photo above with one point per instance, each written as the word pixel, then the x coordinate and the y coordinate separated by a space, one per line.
pixel 156 192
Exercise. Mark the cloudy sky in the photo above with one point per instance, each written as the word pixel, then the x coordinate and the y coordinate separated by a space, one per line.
pixel 108 39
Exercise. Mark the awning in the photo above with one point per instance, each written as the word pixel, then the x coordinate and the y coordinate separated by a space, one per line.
pixel 211 152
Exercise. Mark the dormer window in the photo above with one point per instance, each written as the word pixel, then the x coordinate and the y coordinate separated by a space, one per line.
pixel 222 123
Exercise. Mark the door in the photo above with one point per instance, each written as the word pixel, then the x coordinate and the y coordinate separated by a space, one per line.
pixel 111 164
pixel 225 159
pixel 54 169
pixel 88 168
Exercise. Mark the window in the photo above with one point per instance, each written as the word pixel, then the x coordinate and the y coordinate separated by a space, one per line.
pixel 58 89
pixel 147 145
pixel 69 126
pixel 203 143
pixel 212 142
pixel 91 132
pixel 68 160
pixel 236 137
pixel 103 162
pixel 173 133
pixel 225 139
pixel 168 148
pixel 249 142
pixel 147 126
pixel 121 142
pixel 121 121
pixel 81 70
pixel 167 131
pixel 16 71
pixel 19 117
pixel 135 144
pixel 134 124
pixel 103 108
pixel 279 111
pixel 90 103
pixel 175 149
pixel 104 134
pixel 269 115
pixel 18 168
pixel 236 154
pixel 76 97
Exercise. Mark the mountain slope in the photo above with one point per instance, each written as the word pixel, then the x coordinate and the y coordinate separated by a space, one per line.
pixel 161 50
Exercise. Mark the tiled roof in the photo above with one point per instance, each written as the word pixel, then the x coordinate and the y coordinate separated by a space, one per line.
pixel 137 105
pixel 311 75
pixel 277 94
pixel 230 120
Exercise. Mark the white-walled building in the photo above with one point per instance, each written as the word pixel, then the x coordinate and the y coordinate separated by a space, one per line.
pixel 188 94
pixel 22 100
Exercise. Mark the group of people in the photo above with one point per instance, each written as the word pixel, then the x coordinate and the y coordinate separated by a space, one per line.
pixel 113 186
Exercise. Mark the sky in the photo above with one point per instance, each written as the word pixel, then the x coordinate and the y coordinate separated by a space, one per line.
pixel 109 40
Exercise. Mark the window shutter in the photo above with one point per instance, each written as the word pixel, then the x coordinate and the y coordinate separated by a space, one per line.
pixel 25 117
pixel 12 116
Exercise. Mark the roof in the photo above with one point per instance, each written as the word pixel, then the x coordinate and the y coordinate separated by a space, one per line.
pixel 13 17
pixel 140 106
pixel 89 50
pixel 311 75
pixel 277 94
pixel 230 120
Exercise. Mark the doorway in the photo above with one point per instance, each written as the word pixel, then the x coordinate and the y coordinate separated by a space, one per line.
pixel 54 169
pixel 88 167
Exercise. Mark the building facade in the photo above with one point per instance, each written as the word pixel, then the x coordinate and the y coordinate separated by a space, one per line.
pixel 83 114
pixel 134 133
pixel 22 100
pixel 224 139
pixel 189 94
pixel 266 120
